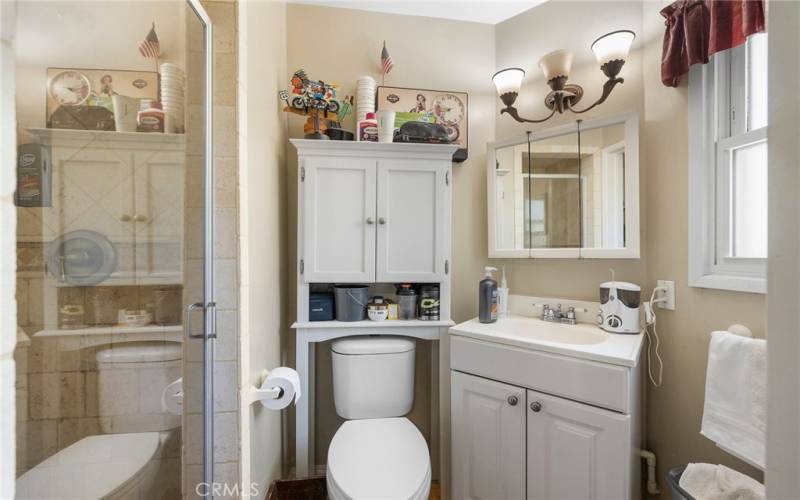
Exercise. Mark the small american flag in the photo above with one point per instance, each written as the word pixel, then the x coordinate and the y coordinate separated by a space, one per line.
pixel 386 60
pixel 149 47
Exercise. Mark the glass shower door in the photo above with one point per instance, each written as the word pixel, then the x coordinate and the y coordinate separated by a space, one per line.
pixel 115 289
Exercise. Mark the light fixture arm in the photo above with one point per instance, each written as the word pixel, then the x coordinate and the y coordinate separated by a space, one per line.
pixel 607 88
pixel 512 111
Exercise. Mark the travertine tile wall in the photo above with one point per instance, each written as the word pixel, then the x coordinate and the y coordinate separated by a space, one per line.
pixel 7 249
pixel 226 385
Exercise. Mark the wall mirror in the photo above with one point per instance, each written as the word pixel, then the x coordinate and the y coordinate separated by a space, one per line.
pixel 566 192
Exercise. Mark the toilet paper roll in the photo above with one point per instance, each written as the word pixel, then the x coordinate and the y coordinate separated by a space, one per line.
pixel 172 398
pixel 288 381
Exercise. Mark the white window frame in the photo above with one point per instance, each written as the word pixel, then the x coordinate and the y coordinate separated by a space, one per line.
pixel 710 145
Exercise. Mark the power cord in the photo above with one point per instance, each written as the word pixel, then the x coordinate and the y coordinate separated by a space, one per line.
pixel 652 338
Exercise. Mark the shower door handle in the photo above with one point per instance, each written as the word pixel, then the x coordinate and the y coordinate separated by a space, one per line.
pixel 189 310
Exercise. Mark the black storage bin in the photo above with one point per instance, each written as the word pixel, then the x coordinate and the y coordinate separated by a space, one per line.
pixel 674 478
pixel 320 306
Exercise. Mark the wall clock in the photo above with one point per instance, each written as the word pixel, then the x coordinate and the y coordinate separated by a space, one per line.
pixel 449 108
pixel 69 88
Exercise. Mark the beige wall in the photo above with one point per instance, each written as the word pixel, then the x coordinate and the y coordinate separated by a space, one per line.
pixel 340 45
pixel 674 411
pixel 262 228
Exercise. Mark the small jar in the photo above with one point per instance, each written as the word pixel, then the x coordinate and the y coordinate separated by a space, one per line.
pixel 377 309
pixel 150 117
pixel 70 317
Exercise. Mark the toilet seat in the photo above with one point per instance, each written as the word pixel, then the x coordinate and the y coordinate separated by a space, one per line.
pixel 378 459
pixel 95 467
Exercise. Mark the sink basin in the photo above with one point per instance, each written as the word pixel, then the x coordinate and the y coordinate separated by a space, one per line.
pixel 582 340
pixel 559 333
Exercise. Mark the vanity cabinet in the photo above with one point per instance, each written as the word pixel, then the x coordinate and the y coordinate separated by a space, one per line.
pixel 508 441
pixel 381 217
pixel 488 426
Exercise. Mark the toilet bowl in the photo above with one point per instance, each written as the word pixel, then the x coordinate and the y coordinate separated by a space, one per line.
pixel 138 452
pixel 107 466
pixel 377 454
pixel 383 458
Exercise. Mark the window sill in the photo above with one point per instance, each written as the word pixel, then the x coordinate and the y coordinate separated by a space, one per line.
pixel 748 284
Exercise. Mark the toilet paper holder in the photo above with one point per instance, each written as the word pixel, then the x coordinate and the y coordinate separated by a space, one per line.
pixel 261 393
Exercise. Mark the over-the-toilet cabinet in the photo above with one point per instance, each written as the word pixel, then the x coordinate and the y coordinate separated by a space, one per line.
pixel 513 443
pixel 374 212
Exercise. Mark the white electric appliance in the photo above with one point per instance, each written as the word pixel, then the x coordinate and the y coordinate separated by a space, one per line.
pixel 619 307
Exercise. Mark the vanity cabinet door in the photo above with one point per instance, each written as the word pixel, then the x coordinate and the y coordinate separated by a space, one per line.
pixel 338 219
pixel 576 450
pixel 488 439
pixel 413 220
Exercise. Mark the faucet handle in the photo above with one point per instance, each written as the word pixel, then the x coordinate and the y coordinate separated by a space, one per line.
pixel 571 313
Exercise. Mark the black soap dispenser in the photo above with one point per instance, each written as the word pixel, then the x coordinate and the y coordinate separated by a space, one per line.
pixel 487 301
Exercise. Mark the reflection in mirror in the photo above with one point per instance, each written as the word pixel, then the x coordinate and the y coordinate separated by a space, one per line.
pixel 603 186
pixel 511 188
pixel 553 195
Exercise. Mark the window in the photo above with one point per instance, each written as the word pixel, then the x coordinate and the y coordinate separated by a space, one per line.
pixel 728 169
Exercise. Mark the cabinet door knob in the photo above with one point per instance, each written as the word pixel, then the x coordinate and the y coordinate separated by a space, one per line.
pixel 139 218
pixel 370 220
pixel 513 400
pixel 125 218
pixel 381 220
pixel 536 406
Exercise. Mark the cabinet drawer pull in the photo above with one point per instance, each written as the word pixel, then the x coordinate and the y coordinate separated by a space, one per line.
pixel 140 218
pixel 536 406
pixel 370 220
pixel 381 220
pixel 513 400
pixel 125 218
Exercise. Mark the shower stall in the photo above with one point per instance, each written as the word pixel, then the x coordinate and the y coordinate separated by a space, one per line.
pixel 115 256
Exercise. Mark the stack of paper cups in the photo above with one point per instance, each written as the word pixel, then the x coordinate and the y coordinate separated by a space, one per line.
pixel 365 97
pixel 172 97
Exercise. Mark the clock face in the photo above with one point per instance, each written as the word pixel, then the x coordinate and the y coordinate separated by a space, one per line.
pixel 449 109
pixel 69 88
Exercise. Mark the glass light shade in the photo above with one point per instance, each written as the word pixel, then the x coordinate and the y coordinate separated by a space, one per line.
pixel 556 63
pixel 508 80
pixel 613 46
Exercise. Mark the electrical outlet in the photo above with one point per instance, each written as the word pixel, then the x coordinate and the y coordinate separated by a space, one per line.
pixel 669 295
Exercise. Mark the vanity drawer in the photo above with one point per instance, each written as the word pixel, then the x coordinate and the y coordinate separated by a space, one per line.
pixel 604 385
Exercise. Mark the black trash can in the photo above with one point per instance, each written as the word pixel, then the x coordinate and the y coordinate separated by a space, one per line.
pixel 674 478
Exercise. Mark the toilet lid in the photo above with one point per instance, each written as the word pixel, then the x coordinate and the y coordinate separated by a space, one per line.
pixel 382 458
pixel 92 468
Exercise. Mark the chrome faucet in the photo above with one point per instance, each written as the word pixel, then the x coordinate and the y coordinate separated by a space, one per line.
pixel 558 316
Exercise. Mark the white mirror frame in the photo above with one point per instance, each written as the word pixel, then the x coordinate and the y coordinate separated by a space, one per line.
pixel 631 250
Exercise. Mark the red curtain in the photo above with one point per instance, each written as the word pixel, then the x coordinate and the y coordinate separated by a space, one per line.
pixel 697 29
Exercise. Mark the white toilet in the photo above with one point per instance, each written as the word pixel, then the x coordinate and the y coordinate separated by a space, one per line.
pixel 137 456
pixel 378 454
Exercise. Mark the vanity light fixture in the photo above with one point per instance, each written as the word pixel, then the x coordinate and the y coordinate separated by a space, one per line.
pixel 610 50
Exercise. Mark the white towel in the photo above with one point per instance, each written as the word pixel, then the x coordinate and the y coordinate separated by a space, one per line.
pixel 717 482
pixel 734 415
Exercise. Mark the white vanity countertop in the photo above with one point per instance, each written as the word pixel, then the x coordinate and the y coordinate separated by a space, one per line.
pixel 583 340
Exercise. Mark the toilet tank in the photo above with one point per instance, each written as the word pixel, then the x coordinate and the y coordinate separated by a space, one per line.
pixel 373 376
pixel 131 379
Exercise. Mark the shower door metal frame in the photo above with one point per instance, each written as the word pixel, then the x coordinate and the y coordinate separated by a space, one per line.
pixel 208 305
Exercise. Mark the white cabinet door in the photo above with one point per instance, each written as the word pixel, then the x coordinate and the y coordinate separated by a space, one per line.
pixel 488 439
pixel 413 220
pixel 576 450
pixel 159 216
pixel 338 220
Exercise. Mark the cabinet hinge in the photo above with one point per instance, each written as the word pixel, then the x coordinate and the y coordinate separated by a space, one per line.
pixel 446 267
pixel 302 266
pixel 447 178
pixel 302 174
